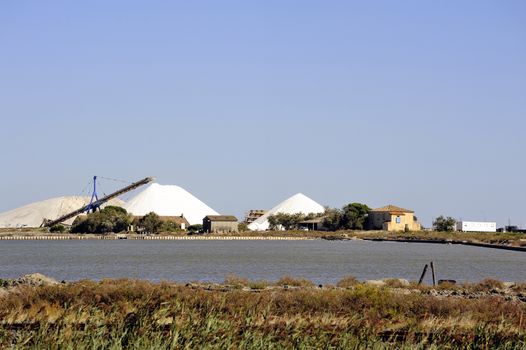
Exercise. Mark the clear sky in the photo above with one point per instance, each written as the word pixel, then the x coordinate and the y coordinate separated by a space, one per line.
pixel 420 104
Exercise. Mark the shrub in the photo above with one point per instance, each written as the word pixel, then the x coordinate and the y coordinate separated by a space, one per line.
pixel 487 285
pixel 195 228
pixel 395 283
pixel 234 280
pixel 151 223
pixel 109 219
pixel 347 282
pixel 445 224
pixel 258 284
pixel 296 282
pixel 170 226
pixel 57 228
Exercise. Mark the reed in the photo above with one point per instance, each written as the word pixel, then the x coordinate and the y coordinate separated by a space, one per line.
pixel 132 314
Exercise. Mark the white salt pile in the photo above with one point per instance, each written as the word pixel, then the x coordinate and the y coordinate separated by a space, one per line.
pixel 33 214
pixel 299 203
pixel 169 200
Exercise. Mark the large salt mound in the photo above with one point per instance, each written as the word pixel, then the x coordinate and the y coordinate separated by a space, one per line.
pixel 169 200
pixel 33 214
pixel 299 203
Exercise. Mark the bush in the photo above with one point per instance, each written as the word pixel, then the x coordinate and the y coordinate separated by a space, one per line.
pixel 488 284
pixel 395 283
pixel 347 282
pixel 258 285
pixel 109 219
pixel 151 223
pixel 195 228
pixel 444 224
pixel 57 228
pixel 236 281
pixel 295 282
pixel 242 227
pixel 353 216
pixel 170 226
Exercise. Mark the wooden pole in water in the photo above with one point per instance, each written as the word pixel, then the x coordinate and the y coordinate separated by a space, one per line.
pixel 433 273
pixel 423 274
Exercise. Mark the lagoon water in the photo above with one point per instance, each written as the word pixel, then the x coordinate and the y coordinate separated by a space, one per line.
pixel 318 260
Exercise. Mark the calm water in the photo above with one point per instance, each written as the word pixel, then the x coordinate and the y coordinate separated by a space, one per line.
pixel 319 261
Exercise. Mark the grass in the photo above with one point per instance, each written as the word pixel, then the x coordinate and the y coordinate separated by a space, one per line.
pixel 294 282
pixel 131 314
pixel 347 282
pixel 494 237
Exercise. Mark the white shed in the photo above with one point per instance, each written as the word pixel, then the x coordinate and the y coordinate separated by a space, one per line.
pixel 476 226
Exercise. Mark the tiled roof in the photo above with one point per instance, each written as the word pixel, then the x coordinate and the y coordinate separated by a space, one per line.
pixel 392 209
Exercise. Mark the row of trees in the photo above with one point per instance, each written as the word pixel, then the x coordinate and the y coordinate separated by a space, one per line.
pixel 117 219
pixel 353 216
pixel 289 221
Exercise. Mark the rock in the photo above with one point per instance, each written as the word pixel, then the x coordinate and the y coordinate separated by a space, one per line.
pixel 403 281
pixel 509 284
pixel 377 283
pixel 36 279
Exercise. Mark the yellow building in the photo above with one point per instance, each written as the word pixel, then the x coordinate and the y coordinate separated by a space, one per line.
pixel 393 218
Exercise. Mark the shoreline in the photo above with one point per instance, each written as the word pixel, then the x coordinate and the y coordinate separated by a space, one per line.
pixel 155 238
pixel 431 241
pixel 8 236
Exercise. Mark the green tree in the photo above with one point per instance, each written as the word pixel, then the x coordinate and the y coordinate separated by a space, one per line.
pixel 196 228
pixel 446 224
pixel 151 223
pixel 242 227
pixel 57 228
pixel 354 216
pixel 333 218
pixel 170 226
pixel 108 219
pixel 286 221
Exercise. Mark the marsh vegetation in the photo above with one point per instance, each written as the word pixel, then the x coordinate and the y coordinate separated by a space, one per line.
pixel 243 314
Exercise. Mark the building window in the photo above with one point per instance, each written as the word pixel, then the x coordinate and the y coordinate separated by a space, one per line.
pixel 398 220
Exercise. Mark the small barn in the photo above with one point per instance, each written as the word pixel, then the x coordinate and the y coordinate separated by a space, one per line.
pixel 220 224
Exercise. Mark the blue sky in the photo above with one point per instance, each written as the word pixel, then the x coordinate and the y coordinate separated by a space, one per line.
pixel 421 104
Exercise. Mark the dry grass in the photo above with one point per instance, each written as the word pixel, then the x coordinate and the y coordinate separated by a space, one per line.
pixel 136 314
pixel 493 238
pixel 347 282
pixel 294 282
pixel 236 281
pixel 487 285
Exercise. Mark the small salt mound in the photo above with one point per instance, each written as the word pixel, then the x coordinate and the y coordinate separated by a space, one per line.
pixel 299 203
pixel 169 200
pixel 33 214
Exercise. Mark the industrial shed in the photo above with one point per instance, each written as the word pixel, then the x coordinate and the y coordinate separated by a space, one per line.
pixel 220 224
pixel 476 226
